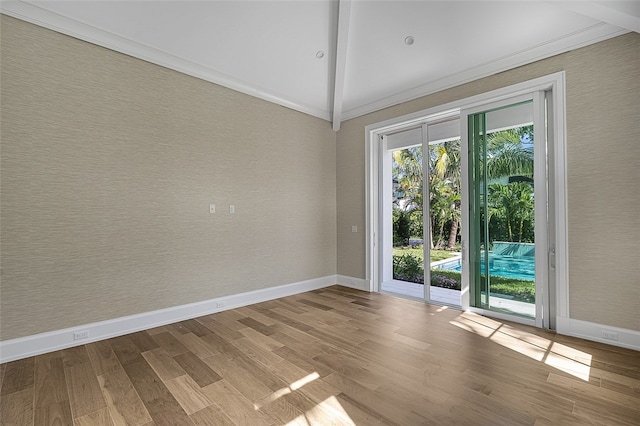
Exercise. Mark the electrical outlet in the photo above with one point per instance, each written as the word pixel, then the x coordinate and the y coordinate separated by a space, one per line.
pixel 610 335
pixel 212 208
pixel 219 304
pixel 79 335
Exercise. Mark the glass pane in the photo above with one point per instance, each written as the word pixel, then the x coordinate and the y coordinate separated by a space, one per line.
pixel 407 205
pixel 509 213
pixel 503 210
pixel 444 218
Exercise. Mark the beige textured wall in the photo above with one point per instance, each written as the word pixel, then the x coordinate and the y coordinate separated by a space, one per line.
pixel 603 127
pixel 109 164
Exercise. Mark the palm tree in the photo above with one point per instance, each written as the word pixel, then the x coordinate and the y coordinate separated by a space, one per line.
pixel 507 155
pixel 447 167
pixel 513 204
pixel 407 170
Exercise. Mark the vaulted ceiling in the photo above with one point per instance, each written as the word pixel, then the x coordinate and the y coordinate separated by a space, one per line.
pixel 336 59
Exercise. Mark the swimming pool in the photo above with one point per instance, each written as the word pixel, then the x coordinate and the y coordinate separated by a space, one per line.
pixel 522 268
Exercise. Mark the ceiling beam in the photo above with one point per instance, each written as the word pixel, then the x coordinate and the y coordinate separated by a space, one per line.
pixel 344 13
pixel 627 19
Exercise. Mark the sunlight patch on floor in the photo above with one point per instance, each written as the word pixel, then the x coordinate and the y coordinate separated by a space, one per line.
pixel 329 411
pixel 553 354
pixel 285 391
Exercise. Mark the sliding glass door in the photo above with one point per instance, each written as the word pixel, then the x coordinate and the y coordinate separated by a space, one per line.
pixel 421 211
pixel 507 190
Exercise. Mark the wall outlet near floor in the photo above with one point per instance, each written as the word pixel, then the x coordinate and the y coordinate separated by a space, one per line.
pixel 610 335
pixel 79 335
pixel 219 304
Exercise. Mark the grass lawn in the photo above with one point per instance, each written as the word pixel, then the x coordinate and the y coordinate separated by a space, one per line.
pixel 521 290
pixel 406 270
pixel 417 252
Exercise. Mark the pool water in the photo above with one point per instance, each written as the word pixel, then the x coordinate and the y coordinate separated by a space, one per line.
pixel 522 268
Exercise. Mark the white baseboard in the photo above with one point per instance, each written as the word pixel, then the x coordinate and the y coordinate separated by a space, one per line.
pixel 351 282
pixel 23 347
pixel 626 338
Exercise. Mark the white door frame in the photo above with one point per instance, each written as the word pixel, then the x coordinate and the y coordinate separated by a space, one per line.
pixel 542 227
pixel 553 83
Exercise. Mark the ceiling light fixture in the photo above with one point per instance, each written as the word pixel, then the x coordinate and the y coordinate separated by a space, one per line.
pixel 408 40
pixel 320 54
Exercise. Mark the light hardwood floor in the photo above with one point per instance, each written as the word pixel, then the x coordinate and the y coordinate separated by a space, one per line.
pixel 331 356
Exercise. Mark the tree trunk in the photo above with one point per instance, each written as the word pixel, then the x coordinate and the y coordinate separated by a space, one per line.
pixel 431 234
pixel 453 234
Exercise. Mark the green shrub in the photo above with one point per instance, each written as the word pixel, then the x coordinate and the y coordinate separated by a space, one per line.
pixel 446 279
pixel 408 268
pixel 401 228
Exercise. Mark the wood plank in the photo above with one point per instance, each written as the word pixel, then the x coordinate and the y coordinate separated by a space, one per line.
pixel 126 350
pixel 593 393
pixel 228 329
pixel 55 413
pixel 102 357
pixel 188 394
pixel 218 344
pixel 199 371
pixel 360 415
pixel 85 395
pixel 292 335
pixel 3 367
pixel 74 356
pixel 260 339
pixel 255 312
pixel 302 356
pixel 170 344
pixel 100 417
pixel 17 407
pixel 196 345
pixel 284 412
pixel 196 327
pixel 211 415
pixel 368 401
pixel 256 325
pixel 235 405
pixel 256 352
pixel 18 376
pixel 164 366
pixel 143 341
pixel 50 382
pixel 606 414
pixel 123 403
pixel 316 305
pixel 239 378
pixel 160 403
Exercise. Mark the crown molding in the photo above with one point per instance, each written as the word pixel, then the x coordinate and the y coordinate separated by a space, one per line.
pixel 44 18
pixel 53 21
pixel 591 35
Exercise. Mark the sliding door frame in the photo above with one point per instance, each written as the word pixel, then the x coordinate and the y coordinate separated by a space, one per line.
pixel 554 86
pixel 543 229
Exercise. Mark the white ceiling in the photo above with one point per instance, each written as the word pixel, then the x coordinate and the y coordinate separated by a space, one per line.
pixel 268 48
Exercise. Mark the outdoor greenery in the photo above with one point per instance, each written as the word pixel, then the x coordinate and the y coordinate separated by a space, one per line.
pixel 408 268
pixel 510 190
pixel 418 252
pixel 510 201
